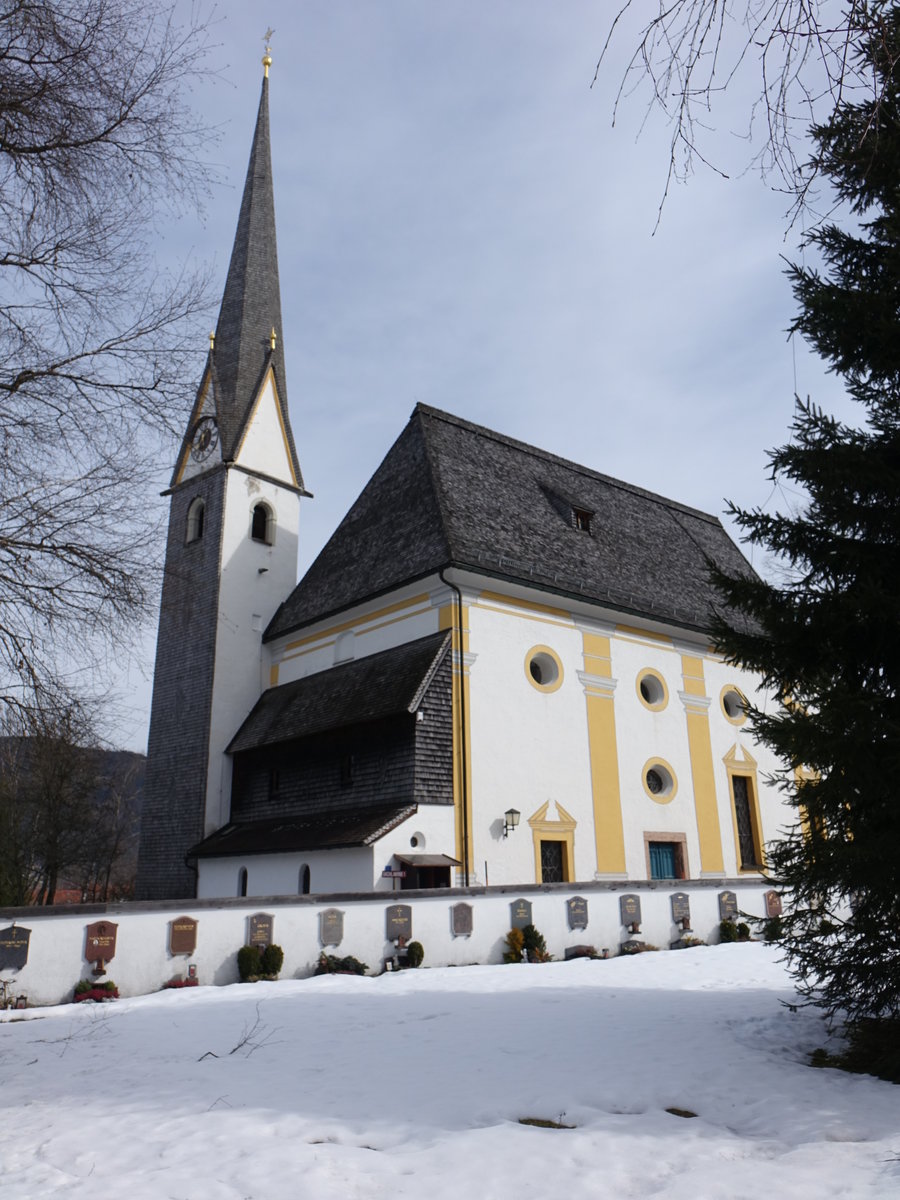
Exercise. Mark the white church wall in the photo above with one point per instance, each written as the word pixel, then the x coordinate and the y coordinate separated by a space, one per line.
pixel 430 830
pixel 255 578
pixel 279 874
pixel 646 736
pixel 355 869
pixel 529 745
pixel 142 962
pixel 403 616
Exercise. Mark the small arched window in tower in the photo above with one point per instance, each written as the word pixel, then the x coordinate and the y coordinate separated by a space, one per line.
pixel 262 524
pixel 195 519
pixel 242 881
pixel 303 887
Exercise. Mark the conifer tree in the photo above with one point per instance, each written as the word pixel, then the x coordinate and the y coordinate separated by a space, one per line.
pixel 826 637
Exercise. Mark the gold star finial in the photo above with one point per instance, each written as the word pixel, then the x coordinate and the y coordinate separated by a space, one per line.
pixel 267 57
pixel 272 338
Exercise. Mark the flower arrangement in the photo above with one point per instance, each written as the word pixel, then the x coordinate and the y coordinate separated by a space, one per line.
pixel 98 992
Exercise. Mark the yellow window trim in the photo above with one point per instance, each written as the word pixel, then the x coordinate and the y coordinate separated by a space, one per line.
pixel 651 673
pixel 659 797
pixel 560 830
pixel 556 684
pixel 740 762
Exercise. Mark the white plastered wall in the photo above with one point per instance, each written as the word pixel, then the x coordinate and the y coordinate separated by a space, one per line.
pixel 356 869
pixel 255 578
pixel 402 616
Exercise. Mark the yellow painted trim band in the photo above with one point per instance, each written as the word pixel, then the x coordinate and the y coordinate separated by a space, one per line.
pixel 702 773
pixel 609 833
pixel 333 630
pixel 528 605
pixel 460 705
pixel 644 634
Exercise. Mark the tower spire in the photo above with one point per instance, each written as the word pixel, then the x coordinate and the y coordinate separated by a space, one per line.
pixel 251 302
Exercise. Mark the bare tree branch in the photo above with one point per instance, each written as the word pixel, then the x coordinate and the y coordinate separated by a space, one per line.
pixel 96 146
pixel 690 52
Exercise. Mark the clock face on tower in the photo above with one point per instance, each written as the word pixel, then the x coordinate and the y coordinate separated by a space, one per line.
pixel 205 438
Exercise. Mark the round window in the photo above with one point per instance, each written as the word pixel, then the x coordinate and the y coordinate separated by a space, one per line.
pixel 651 690
pixel 659 781
pixel 543 668
pixel 734 705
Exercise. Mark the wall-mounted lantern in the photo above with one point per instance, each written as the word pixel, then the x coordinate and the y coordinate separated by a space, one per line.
pixel 510 820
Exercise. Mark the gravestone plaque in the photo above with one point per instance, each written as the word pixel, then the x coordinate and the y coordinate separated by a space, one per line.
pixel 681 908
pixel 331 927
pixel 100 941
pixel 14 947
pixel 260 930
pixel 398 922
pixel 727 906
pixel 773 904
pixel 577 912
pixel 183 935
pixel 520 914
pixel 461 920
pixel 630 909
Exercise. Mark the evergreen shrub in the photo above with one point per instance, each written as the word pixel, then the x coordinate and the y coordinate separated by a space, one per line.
pixel 249 961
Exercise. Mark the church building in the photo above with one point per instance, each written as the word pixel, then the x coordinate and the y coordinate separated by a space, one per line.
pixel 497 671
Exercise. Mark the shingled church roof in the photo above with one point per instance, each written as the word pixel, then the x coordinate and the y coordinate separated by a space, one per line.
pixel 326 830
pixel 453 494
pixel 380 685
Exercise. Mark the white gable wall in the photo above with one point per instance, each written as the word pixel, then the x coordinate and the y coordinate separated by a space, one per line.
pixel 264 447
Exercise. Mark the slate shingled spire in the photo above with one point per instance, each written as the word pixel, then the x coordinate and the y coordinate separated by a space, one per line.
pixel 251 303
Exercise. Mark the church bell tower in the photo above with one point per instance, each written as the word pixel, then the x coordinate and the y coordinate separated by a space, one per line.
pixel 231 553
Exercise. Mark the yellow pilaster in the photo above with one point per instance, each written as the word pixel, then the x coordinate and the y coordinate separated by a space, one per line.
pixel 462 741
pixel 696 708
pixel 599 687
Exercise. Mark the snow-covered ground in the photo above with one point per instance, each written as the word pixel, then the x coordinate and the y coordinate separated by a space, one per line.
pixel 413 1084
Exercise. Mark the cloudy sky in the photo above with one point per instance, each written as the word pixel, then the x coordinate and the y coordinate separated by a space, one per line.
pixel 459 223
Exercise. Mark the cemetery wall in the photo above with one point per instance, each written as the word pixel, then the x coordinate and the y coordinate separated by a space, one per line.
pixel 62 942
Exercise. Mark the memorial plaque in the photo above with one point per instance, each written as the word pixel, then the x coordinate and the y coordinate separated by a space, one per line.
pixel 520 914
pixel 398 922
pixel 461 920
pixel 577 912
pixel 331 927
pixel 100 941
pixel 14 947
pixel 260 930
pixel 681 908
pixel 630 909
pixel 727 906
pixel 773 904
pixel 182 935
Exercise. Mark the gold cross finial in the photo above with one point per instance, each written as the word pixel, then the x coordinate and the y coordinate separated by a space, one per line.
pixel 272 338
pixel 212 339
pixel 267 57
